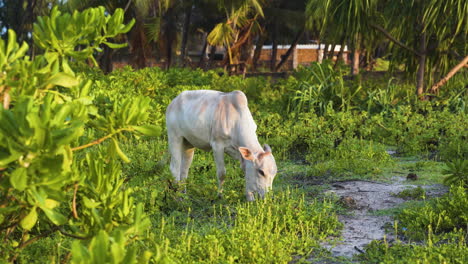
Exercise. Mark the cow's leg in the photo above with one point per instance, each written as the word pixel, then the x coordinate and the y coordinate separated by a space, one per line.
pixel 218 151
pixel 175 147
pixel 187 157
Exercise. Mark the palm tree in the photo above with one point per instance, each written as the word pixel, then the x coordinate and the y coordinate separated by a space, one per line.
pixel 287 22
pixel 240 26
pixel 20 15
pixel 434 32
pixel 342 20
pixel 434 35
pixel 156 24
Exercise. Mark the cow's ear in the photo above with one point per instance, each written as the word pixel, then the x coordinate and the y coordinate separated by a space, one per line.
pixel 246 153
pixel 263 155
pixel 267 151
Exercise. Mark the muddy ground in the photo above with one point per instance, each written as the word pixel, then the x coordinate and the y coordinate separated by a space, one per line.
pixel 361 224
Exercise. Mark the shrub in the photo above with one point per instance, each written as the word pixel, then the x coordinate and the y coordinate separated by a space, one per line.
pixel 456 173
pixel 446 214
pixel 452 250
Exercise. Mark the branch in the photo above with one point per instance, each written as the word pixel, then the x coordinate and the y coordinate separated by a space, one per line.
pixel 399 43
pixel 63 232
pixel 291 49
pixel 127 6
pixel 75 214
pixel 34 239
pixel 5 96
pixel 463 63
pixel 45 234
pixel 100 140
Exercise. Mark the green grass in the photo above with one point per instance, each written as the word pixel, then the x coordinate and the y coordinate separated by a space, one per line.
pixel 428 171
pixel 343 136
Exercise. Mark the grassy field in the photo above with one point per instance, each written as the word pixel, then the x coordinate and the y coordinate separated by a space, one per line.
pixel 322 130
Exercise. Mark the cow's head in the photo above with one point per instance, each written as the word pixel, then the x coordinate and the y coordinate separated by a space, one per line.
pixel 260 170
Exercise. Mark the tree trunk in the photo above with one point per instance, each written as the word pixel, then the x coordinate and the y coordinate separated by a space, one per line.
pixel 355 63
pixel 138 48
pixel 325 51
pixel 291 49
pixel 422 66
pixel 183 45
pixel 169 51
pixel 393 39
pixel 274 48
pixel 211 56
pixel 201 63
pixel 170 33
pixel 435 87
pixel 105 61
pixel 340 54
pixel 332 51
pixel 258 51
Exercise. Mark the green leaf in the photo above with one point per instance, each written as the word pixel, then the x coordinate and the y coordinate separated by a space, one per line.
pixel 11 41
pixel 115 45
pixel 63 79
pixel 18 178
pixel 90 203
pixel 127 27
pixel 6 158
pixel 119 151
pixel 66 68
pixel 99 247
pixel 51 204
pixel 30 220
pixel 148 130
pixel 55 217
pixel 80 253
pixel 20 52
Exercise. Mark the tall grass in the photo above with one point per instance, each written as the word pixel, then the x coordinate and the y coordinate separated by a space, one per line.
pixel 273 230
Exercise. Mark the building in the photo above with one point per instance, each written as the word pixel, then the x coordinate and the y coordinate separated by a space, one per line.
pixel 303 54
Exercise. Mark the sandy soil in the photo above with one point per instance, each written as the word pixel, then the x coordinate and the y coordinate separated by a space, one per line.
pixel 361 226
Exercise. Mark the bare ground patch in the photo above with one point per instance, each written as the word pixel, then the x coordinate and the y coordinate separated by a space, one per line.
pixel 361 226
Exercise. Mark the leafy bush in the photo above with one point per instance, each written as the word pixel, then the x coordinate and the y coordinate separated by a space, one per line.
pixel 453 250
pixel 440 224
pixel 446 214
pixel 47 183
pixel 457 173
pixel 412 193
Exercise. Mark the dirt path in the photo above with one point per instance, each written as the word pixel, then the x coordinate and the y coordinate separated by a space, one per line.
pixel 361 226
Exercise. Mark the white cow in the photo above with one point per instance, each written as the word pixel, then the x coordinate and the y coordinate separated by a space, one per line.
pixel 222 122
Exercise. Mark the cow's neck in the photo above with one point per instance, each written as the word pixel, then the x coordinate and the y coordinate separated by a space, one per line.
pixel 247 137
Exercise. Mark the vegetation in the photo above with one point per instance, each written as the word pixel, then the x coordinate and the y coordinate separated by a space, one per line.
pixel 440 223
pixel 428 50
pixel 84 165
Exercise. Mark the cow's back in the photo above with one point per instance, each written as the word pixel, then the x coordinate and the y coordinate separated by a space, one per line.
pixel 204 116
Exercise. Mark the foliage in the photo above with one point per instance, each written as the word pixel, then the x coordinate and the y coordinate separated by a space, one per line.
pixel 363 23
pixel 452 250
pixel 457 172
pixel 319 88
pixel 64 36
pixel 348 137
pixel 46 184
pixel 446 214
pixel 412 193
pixel 241 22
pixel 440 223
pixel 244 232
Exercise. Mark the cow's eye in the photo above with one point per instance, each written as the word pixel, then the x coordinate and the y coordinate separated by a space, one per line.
pixel 261 172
